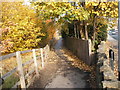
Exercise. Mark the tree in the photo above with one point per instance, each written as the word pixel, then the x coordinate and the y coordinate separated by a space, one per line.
pixel 82 13
pixel 99 11
pixel 60 12
pixel 21 29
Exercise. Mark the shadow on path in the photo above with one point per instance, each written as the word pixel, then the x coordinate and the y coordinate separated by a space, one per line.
pixel 59 72
pixel 68 76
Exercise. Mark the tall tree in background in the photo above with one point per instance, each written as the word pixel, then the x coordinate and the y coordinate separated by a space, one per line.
pixel 61 12
pixel 99 12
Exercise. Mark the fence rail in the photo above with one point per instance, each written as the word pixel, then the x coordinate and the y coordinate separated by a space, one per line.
pixel 42 55
pixel 13 54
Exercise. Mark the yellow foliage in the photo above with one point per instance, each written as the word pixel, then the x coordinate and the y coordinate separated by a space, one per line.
pixel 21 27
pixel 107 9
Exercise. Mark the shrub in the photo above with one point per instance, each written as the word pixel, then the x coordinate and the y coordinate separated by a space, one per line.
pixel 20 29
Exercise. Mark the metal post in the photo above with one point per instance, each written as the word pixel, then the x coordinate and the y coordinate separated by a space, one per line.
pixel 111 57
pixel 119 40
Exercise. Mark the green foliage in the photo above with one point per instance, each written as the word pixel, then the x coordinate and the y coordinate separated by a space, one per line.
pixel 10 81
pixel 71 29
pixel 101 34
pixel 64 35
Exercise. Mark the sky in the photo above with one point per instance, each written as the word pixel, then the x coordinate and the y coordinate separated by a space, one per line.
pixel 26 2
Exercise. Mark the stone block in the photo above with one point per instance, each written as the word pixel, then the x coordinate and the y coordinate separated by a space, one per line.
pixel 105 68
pixel 109 75
pixel 106 62
pixel 110 84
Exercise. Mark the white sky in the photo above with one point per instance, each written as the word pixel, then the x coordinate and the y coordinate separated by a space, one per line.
pixel 26 2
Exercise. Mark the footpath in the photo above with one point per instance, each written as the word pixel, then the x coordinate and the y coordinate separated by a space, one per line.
pixel 61 72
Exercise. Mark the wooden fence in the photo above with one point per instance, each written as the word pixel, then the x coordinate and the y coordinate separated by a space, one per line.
pixel 81 48
pixel 42 55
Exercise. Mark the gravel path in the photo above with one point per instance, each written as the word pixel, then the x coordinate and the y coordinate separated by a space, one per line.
pixel 59 72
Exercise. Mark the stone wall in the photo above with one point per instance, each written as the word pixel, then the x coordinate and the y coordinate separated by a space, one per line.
pixel 81 48
pixel 105 75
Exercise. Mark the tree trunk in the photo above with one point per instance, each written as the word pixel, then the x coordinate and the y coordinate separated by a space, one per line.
pixel 94 32
pixel 75 30
pixel 79 29
pixel 86 32
pixel 83 30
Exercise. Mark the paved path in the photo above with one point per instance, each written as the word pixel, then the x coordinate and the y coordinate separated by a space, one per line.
pixel 114 36
pixel 67 76
pixel 114 42
pixel 59 72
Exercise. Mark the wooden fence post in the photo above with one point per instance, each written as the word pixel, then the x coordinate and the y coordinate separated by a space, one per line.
pixel 20 69
pixel 35 62
pixel 41 50
pixel 45 52
pixel 48 49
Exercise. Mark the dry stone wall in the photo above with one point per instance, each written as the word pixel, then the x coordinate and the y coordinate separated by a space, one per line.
pixel 105 75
